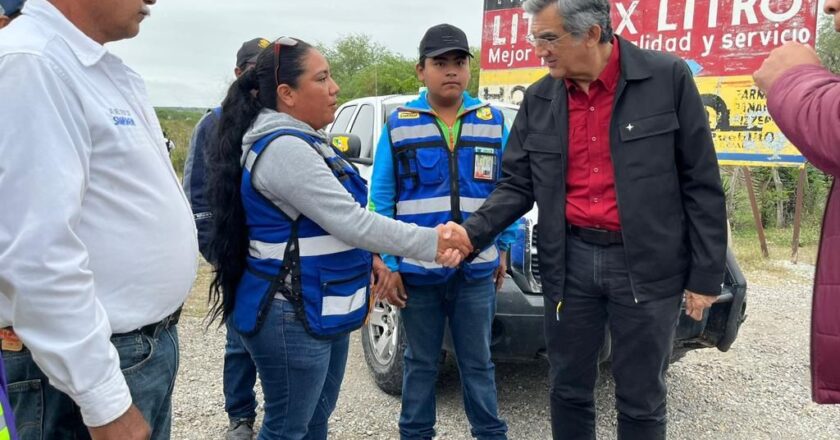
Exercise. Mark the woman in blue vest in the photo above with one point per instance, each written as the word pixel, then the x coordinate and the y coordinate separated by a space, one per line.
pixel 292 238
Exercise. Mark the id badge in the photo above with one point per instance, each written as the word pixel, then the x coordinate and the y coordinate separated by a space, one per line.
pixel 484 166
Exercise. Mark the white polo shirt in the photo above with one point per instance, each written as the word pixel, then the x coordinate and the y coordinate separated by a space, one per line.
pixel 96 235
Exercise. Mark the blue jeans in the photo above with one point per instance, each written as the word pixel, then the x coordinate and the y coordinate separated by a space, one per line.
pixel 148 363
pixel 598 297
pixel 470 307
pixel 240 375
pixel 300 375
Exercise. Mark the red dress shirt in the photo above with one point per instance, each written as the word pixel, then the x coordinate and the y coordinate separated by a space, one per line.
pixel 590 183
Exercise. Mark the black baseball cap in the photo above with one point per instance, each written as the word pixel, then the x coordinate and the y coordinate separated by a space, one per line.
pixel 250 50
pixel 443 38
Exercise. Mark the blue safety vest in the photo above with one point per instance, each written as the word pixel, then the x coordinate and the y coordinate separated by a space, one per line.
pixel 7 423
pixel 436 185
pixel 327 279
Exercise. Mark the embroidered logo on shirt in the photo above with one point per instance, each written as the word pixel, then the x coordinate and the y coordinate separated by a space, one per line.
pixel 408 115
pixel 484 114
pixel 122 118
pixel 629 127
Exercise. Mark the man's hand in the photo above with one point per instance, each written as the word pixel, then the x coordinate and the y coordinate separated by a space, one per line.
pixel 780 60
pixel 453 244
pixel 499 275
pixel 696 303
pixel 394 291
pixel 129 426
pixel 379 278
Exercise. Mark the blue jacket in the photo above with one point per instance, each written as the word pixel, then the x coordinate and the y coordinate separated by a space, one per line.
pixel 195 176
pixel 412 176
pixel 326 279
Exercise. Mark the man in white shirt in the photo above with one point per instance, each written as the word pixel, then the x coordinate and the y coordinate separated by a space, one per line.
pixel 97 242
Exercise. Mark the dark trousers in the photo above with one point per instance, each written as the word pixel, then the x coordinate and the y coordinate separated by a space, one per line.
pixel 598 297
pixel 238 378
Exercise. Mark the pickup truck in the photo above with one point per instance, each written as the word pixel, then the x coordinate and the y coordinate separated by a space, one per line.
pixel 517 332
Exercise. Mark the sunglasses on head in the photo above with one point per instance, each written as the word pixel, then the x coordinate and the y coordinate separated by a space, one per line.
pixel 278 43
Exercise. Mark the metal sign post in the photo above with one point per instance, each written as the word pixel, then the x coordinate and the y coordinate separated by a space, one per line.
pixel 756 213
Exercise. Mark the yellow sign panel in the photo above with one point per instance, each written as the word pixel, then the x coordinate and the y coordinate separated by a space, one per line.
pixel 742 129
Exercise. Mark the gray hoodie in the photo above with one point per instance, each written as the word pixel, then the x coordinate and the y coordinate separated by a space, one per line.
pixel 293 176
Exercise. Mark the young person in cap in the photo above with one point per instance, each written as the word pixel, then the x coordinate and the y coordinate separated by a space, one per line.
pixel 290 229
pixel 9 10
pixel 240 374
pixel 438 158
pixel 99 250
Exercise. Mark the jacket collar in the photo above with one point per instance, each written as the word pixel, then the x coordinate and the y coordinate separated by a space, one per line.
pixel 634 67
pixel 634 61
pixel 87 51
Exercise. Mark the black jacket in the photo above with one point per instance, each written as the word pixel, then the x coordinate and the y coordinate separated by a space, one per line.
pixel 670 200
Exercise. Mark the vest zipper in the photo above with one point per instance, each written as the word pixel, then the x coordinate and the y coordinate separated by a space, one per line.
pixel 454 189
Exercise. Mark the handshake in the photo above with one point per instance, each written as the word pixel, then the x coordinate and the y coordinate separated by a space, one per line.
pixel 453 244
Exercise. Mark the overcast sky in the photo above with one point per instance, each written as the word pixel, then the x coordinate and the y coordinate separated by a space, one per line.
pixel 186 49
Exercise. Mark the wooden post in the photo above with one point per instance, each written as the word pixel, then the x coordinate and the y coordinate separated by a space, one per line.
pixel 797 216
pixel 756 212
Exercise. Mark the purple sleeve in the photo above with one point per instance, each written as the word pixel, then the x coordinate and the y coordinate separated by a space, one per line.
pixel 805 104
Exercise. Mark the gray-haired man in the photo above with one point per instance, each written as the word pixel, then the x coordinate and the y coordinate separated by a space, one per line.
pixel 610 122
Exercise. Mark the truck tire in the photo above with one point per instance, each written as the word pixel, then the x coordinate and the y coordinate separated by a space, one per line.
pixel 383 342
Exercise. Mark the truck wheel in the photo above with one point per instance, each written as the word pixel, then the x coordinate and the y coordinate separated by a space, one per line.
pixel 383 341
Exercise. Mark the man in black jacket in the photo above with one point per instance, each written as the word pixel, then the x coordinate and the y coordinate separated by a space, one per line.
pixel 614 147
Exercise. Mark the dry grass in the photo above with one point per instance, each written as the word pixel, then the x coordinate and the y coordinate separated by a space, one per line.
pixel 196 305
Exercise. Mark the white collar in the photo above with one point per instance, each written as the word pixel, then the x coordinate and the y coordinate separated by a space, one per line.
pixel 88 52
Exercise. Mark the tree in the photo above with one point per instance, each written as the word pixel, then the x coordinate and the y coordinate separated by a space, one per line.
pixel 352 54
pixel 362 67
pixel 475 71
pixel 828 44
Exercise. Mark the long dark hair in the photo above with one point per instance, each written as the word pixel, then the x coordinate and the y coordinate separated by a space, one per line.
pixel 253 91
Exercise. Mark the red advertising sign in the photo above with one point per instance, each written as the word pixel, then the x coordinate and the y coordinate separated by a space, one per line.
pixel 716 37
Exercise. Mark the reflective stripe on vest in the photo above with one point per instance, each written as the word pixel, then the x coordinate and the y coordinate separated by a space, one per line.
pixel 309 247
pixel 424 168
pixel 437 204
pixel 491 132
pixel 329 278
pixel 489 255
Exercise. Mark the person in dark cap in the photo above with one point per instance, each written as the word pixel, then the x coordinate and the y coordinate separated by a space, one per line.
pixel 412 182
pixel 9 10
pixel 240 373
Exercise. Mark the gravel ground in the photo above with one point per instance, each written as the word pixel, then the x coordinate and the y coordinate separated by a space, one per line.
pixel 757 390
